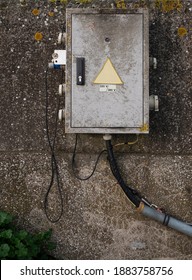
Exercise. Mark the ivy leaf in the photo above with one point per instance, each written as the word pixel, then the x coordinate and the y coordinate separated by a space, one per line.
pixel 47 234
pixel 6 234
pixel 34 250
pixel 51 246
pixel 4 250
pixel 22 234
pixel 22 251
pixel 15 241
pixel 5 218
pixel 44 235
pixel 20 244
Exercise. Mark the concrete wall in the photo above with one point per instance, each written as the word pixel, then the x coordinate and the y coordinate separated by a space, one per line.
pixel 98 221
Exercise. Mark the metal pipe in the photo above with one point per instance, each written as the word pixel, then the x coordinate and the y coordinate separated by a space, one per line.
pixel 165 219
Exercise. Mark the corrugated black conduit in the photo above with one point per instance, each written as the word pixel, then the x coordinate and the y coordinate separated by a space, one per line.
pixel 132 194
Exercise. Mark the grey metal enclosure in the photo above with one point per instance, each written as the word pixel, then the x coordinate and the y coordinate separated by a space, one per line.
pixel 107 71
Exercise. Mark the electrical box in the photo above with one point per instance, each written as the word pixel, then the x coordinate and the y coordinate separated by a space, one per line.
pixel 107 71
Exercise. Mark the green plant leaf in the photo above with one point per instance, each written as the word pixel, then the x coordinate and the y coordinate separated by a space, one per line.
pixel 5 218
pixel 51 246
pixel 44 235
pixel 15 241
pixel 48 234
pixel 22 252
pixel 34 250
pixel 22 234
pixel 6 234
pixel 4 250
pixel 20 244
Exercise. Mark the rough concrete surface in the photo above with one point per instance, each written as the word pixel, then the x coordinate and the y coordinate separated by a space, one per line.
pixel 98 221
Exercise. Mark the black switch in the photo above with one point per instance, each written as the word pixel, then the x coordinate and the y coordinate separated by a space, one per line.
pixel 80 71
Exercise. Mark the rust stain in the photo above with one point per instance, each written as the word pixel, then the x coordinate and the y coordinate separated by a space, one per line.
pixel 51 14
pixel 168 5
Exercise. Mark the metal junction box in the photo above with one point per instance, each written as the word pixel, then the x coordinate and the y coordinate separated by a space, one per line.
pixel 107 88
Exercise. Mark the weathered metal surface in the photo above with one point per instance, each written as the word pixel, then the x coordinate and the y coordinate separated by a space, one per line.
pixel 98 35
pixel 98 221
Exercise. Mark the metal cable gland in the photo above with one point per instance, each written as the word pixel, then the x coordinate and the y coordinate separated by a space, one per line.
pixel 62 89
pixel 61 38
pixel 153 62
pixel 154 102
pixel 51 65
pixel 61 115
pixel 107 137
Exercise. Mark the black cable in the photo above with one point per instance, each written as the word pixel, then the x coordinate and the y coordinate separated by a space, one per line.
pixel 63 27
pixel 63 32
pixel 73 163
pixel 132 194
pixel 54 165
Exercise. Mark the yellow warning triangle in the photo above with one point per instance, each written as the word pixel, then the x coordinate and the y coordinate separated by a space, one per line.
pixel 108 75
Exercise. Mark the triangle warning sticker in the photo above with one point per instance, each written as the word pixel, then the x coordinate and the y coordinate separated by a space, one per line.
pixel 108 75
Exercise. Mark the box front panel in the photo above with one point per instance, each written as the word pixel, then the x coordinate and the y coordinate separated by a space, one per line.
pixel 107 72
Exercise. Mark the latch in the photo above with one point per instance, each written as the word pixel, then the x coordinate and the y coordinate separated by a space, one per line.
pixel 80 61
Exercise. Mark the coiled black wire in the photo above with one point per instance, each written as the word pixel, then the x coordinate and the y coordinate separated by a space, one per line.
pixel 132 194
pixel 73 163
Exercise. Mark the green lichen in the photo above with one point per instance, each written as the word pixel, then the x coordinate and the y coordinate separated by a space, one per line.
pixel 35 12
pixel 168 5
pixel 120 4
pixel 64 1
pixel 142 4
pixel 38 36
pixel 83 1
pixel 182 31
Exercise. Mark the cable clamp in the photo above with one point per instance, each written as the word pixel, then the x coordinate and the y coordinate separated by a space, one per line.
pixel 166 220
pixel 151 205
